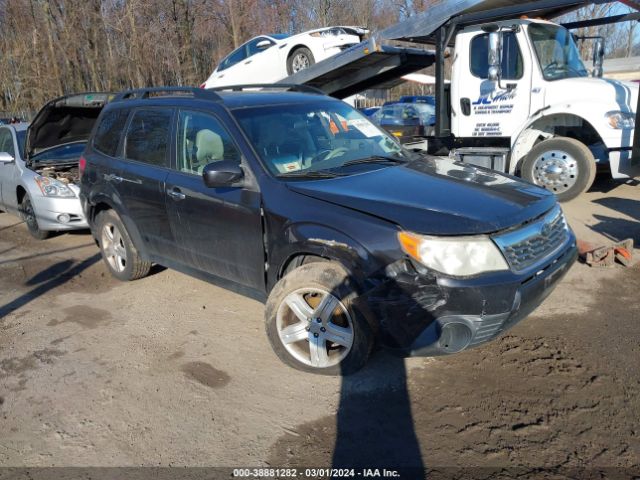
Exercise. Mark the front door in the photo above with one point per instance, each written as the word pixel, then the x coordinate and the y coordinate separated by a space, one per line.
pixel 7 171
pixel 217 230
pixel 485 108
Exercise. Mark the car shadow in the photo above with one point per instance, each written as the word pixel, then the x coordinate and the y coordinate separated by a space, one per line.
pixel 50 278
pixel 626 206
pixel 617 229
pixel 374 426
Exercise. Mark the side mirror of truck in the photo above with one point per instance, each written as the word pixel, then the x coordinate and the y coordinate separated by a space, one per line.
pixel 224 173
pixel 495 56
pixel 598 57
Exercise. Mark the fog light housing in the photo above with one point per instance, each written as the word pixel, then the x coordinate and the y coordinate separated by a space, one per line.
pixel 64 218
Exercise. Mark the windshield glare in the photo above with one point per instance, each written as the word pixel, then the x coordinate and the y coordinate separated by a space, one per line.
pixel 316 137
pixel 557 52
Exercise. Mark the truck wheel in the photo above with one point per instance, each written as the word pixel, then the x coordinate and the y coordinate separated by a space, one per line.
pixel 300 59
pixel 311 323
pixel 28 214
pixel 562 165
pixel 117 249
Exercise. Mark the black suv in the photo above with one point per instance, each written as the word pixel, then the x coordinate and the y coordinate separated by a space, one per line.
pixel 295 198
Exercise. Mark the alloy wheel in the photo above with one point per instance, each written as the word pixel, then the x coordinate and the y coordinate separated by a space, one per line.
pixel 555 170
pixel 113 246
pixel 315 327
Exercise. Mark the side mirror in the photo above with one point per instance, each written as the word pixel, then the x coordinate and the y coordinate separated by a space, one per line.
pixel 6 157
pixel 495 56
pixel 263 45
pixel 598 57
pixel 222 174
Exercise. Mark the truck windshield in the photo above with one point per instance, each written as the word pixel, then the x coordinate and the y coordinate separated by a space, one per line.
pixel 557 52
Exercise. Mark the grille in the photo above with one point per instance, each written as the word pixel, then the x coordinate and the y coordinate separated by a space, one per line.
pixel 533 243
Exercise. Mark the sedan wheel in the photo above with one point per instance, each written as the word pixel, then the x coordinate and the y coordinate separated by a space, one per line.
pixel 300 59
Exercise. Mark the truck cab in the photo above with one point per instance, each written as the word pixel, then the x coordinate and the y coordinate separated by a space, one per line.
pixel 522 101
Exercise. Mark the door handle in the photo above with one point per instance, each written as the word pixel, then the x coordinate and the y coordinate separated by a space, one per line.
pixel 113 178
pixel 465 106
pixel 176 194
pixel 248 62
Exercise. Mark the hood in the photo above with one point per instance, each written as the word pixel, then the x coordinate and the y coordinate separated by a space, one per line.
pixel 617 95
pixel 67 119
pixel 435 196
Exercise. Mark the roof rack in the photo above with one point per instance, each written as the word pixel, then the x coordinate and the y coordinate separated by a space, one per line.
pixel 143 93
pixel 294 87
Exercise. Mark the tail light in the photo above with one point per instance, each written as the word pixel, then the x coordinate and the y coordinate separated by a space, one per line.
pixel 82 164
pixel 203 85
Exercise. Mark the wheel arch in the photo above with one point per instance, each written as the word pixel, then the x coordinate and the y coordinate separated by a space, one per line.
pixel 542 127
pixel 101 204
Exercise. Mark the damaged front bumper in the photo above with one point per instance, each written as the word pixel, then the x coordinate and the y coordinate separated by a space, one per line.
pixel 419 313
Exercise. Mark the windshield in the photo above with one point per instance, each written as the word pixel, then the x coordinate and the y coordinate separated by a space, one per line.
pixel 311 138
pixel 70 152
pixel 405 114
pixel 557 52
pixel 22 140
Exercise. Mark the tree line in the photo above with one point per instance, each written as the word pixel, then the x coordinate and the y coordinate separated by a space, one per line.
pixel 53 47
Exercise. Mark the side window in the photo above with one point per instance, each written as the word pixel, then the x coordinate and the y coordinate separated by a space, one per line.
pixel 512 66
pixel 235 57
pixel 148 136
pixel 108 133
pixel 6 142
pixel 202 140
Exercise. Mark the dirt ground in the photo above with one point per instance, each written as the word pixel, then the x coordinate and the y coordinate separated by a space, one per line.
pixel 172 371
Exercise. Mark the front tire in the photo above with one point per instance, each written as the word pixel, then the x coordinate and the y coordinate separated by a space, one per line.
pixel 28 214
pixel 561 165
pixel 311 323
pixel 118 251
pixel 300 59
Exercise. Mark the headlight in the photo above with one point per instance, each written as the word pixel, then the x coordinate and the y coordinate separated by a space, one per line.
pixel 457 256
pixel 620 120
pixel 54 188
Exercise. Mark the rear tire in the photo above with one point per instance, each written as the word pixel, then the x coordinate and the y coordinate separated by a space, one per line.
pixel 28 214
pixel 562 165
pixel 312 324
pixel 118 251
pixel 300 59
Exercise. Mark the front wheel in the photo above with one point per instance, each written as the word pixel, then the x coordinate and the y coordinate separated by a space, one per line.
pixel 312 324
pixel 300 59
pixel 28 214
pixel 562 165
pixel 118 251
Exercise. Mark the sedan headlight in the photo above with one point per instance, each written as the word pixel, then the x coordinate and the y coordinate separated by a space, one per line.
pixel 54 188
pixel 456 256
pixel 621 120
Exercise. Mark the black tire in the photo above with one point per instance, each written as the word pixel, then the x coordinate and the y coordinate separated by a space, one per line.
pixel 572 158
pixel 118 251
pixel 302 54
pixel 28 214
pixel 310 282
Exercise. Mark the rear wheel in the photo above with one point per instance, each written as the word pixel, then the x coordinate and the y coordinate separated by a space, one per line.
pixel 28 214
pixel 311 323
pixel 118 251
pixel 562 165
pixel 300 59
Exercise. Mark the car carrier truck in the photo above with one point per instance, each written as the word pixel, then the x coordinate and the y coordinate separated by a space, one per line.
pixel 520 99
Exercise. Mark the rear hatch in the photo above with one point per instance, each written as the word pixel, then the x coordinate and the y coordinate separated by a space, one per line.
pixel 58 133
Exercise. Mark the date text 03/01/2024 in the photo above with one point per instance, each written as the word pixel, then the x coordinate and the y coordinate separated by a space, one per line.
pixel 314 473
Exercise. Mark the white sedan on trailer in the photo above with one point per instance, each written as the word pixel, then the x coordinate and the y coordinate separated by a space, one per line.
pixel 270 58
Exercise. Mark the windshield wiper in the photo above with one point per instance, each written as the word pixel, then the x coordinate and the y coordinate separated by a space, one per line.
pixel 311 174
pixel 374 159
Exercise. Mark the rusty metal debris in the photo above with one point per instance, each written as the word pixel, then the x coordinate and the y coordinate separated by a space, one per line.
pixel 606 256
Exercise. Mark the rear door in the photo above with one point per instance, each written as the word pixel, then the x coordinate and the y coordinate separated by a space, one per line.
pixel 141 183
pixel 217 230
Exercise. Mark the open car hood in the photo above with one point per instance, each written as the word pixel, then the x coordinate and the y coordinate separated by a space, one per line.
pixel 67 119
pixel 436 196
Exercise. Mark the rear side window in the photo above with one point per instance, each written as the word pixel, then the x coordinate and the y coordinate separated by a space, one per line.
pixel 108 133
pixel 512 67
pixel 147 138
